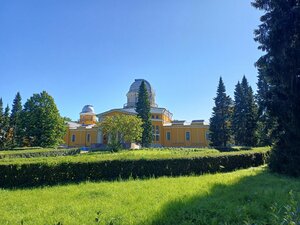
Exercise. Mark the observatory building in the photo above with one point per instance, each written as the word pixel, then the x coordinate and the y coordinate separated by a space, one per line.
pixel 166 131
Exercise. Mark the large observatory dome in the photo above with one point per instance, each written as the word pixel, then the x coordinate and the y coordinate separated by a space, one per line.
pixel 132 95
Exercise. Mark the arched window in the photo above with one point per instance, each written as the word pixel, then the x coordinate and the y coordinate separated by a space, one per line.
pixel 73 138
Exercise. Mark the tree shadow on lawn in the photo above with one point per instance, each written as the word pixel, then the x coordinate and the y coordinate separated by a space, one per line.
pixel 260 199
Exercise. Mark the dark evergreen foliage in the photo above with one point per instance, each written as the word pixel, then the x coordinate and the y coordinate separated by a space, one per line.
pixel 41 123
pixel 4 126
pixel 265 122
pixel 244 122
pixel 143 109
pixel 5 132
pixel 279 38
pixel 220 120
pixel 15 121
pixel 1 123
pixel 238 119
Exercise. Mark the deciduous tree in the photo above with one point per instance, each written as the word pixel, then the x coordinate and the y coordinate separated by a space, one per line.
pixel 41 121
pixel 122 129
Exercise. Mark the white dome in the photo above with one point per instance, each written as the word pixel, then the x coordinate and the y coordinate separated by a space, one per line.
pixel 88 109
pixel 132 95
pixel 135 86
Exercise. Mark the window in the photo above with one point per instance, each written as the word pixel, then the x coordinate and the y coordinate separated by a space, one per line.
pixel 187 136
pixel 73 138
pixel 153 133
pixel 168 136
pixel 157 117
pixel 88 138
pixel 152 116
pixel 207 135
pixel 157 133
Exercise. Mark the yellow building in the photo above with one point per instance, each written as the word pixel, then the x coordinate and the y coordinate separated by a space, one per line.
pixel 166 131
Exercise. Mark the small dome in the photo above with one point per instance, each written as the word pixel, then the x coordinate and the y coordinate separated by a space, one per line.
pixel 88 109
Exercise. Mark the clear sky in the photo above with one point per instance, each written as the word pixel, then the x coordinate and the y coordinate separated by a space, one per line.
pixel 89 52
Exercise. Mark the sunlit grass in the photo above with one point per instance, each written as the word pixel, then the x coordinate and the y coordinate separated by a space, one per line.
pixel 236 197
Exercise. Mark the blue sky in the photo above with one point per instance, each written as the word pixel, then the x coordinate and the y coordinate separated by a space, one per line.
pixel 89 52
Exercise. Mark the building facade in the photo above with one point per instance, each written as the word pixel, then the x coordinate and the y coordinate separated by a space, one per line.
pixel 166 131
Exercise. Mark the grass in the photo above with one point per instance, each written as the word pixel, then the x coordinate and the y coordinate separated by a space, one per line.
pixel 251 196
pixel 129 155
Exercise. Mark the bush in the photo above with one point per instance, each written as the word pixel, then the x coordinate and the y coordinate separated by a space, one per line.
pixel 42 173
pixel 39 153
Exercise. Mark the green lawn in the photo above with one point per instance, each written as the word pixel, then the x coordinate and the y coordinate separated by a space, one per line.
pixel 164 153
pixel 252 196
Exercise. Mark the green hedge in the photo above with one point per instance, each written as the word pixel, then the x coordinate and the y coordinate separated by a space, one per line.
pixel 38 153
pixel 37 174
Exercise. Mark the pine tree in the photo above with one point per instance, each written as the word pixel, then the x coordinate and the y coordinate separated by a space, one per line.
pixel 42 124
pixel 244 122
pixel 266 123
pixel 5 129
pixel 15 121
pixel 220 120
pixel 143 110
pixel 251 119
pixel 238 119
pixel 1 125
pixel 279 38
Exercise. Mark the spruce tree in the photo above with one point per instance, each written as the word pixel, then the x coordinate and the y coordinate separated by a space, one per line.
pixel 42 124
pixel 220 120
pixel 265 123
pixel 279 38
pixel 250 113
pixel 143 109
pixel 245 115
pixel 238 119
pixel 15 121
pixel 1 124
pixel 5 130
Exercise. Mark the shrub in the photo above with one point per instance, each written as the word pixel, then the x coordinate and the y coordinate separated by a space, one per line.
pixel 39 153
pixel 42 173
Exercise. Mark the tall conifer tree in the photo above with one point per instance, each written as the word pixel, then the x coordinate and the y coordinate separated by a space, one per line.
pixel 220 120
pixel 238 119
pixel 279 38
pixel 143 109
pixel 5 131
pixel 265 123
pixel 15 121
pixel 245 115
pixel 1 125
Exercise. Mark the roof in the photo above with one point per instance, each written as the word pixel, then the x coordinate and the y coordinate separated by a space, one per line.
pixel 135 86
pixel 73 125
pixel 133 112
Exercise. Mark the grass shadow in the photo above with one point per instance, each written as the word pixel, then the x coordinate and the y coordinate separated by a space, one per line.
pixel 260 199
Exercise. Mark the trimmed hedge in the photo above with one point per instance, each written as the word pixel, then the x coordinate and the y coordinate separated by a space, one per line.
pixel 39 153
pixel 38 174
